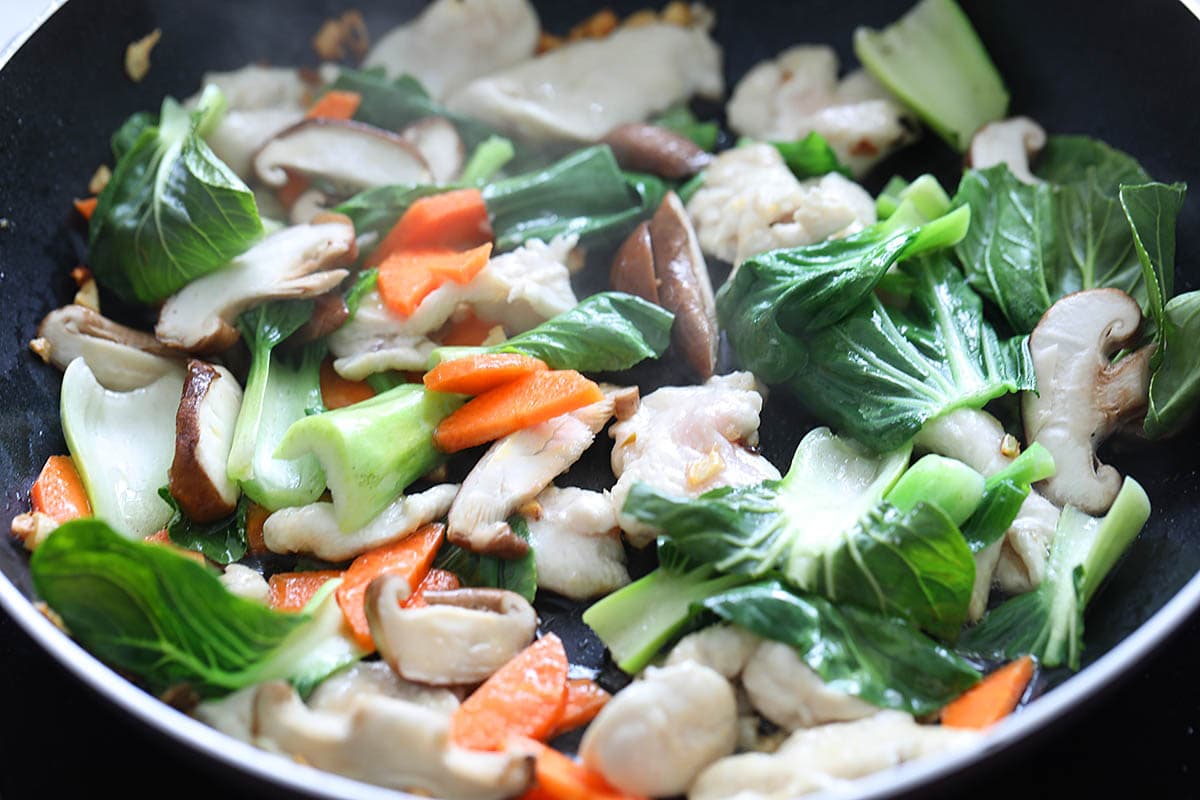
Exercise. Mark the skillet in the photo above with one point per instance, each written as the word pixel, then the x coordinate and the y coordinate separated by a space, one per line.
pixel 1126 73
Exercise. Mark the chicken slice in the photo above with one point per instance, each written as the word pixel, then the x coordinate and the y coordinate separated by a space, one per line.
pixel 798 93
pixel 513 472
pixel 580 92
pixel 686 440
pixel 786 691
pixel 452 42
pixel 750 202
pixel 726 649
pixel 577 544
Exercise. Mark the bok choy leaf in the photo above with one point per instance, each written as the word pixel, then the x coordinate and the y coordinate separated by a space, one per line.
pixel 172 211
pixel 514 574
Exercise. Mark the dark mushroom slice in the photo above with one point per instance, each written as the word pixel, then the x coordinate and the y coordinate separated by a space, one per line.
pixel 329 313
pixel 633 266
pixel 648 148
pixel 204 428
pixel 438 142
pixel 121 358
pixel 684 286
pixel 346 154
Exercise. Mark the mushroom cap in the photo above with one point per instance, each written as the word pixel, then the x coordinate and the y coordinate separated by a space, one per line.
pixel 439 144
pixel 684 285
pixel 204 426
pixel 122 359
pixel 633 266
pixel 642 147
pixel 350 155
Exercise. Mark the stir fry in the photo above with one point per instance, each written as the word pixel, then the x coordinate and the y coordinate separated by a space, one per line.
pixel 340 495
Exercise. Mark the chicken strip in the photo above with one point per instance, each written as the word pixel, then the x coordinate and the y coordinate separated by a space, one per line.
pixel 577 544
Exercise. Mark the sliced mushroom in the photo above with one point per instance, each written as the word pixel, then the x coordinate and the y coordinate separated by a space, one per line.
pixel 314 528
pixel 350 155
pixel 329 313
pixel 297 262
pixel 1083 395
pixel 459 637
pixel 121 358
pixel 633 266
pixel 204 427
pixel 684 285
pixel 654 737
pixel 438 142
pixel 649 148
pixel 308 206
pixel 339 691
pixel 1008 141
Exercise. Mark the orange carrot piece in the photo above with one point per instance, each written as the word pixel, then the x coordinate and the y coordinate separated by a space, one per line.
pixel 478 373
pixel 338 392
pixel 992 699
pixel 58 491
pixel 437 580
pixel 463 268
pixel 404 281
pixel 536 792
pixel 514 406
pixel 291 591
pixel 86 207
pixel 562 778
pixel 290 192
pixel 585 698
pixel 256 516
pixel 457 220
pixel 411 557
pixel 470 331
pixel 335 104
pixel 525 697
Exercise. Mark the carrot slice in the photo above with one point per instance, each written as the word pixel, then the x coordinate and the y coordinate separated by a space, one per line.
pixel 291 591
pixel 335 104
pixel 407 277
pixel 58 491
pixel 86 207
pixel 457 220
pixel 478 373
pixel 338 392
pixel 256 517
pixel 470 331
pixel 585 698
pixel 411 557
pixel 518 404
pixel 438 580
pixel 992 699
pixel 525 697
pixel 562 778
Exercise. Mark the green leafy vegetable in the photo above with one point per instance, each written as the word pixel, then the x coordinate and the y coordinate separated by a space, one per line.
pixel 127 135
pixel 881 660
pixel 280 390
pixel 515 574
pixel 488 158
pixel 172 211
pixel 1003 495
pixel 1175 382
pixel 371 451
pixel 933 61
pixel 944 482
pixel 810 157
pixel 882 372
pixel 223 541
pixel 681 120
pixel 319 648
pixel 1048 622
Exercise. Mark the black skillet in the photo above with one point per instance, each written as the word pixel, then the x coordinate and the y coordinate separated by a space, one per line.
pixel 1128 73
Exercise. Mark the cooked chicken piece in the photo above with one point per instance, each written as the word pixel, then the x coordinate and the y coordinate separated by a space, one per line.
pixel 314 529
pixel 798 93
pixel 576 543
pixel 821 758
pixel 246 582
pixel 338 691
pixel 750 202
pixel 514 471
pixel 686 440
pixel 579 92
pixel 453 42
pixel 657 734
pixel 517 290
pixel 786 691
pixel 724 648
pixel 255 87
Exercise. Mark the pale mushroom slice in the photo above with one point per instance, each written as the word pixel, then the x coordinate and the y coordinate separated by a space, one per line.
pixel 458 637
pixel 576 543
pixel 291 264
pixel 240 134
pixel 204 426
pixel 438 142
pixel 348 155
pixel 1083 395
pixel 1012 142
pixel 339 691
pixel 655 736
pixel 514 471
pixel 684 285
pixel 642 147
pixel 314 529
pixel 386 741
pixel 122 359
